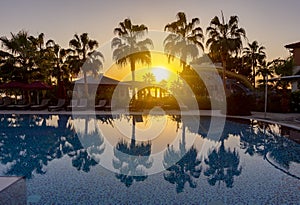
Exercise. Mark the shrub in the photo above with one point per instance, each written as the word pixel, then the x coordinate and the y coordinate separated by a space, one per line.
pixel 239 104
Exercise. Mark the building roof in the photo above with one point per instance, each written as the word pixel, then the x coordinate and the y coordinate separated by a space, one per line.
pixel 103 80
pixel 293 45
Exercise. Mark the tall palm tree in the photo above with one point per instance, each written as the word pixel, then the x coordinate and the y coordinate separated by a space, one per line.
pixel 225 39
pixel 255 53
pixel 184 40
pixel 128 49
pixel 84 48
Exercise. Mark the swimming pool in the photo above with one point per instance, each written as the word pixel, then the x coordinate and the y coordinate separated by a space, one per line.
pixel 251 163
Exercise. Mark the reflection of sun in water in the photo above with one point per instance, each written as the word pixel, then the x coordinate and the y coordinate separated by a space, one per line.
pixel 160 73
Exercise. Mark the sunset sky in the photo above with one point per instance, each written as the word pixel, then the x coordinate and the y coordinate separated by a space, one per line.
pixel 273 23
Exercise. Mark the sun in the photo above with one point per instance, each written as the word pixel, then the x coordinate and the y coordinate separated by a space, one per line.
pixel 161 73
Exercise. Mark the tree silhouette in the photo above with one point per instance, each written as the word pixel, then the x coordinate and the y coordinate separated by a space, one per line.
pixel 85 56
pixel 185 38
pixel 26 56
pixel 126 47
pixel 265 70
pixel 224 39
pixel 149 77
pixel 60 67
pixel 255 54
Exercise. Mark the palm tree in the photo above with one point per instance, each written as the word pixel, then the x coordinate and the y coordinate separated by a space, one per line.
pixel 83 49
pixel 43 58
pixel 127 48
pixel 22 54
pixel 265 69
pixel 59 63
pixel 185 38
pixel 225 39
pixel 283 67
pixel 256 55
pixel 149 78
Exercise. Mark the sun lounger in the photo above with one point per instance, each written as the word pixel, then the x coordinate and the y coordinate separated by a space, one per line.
pixel 83 103
pixel 72 105
pixel 22 104
pixel 109 106
pixel 100 105
pixel 60 105
pixel 5 103
pixel 43 105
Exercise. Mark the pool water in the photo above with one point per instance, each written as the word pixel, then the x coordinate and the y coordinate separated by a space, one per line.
pixel 125 159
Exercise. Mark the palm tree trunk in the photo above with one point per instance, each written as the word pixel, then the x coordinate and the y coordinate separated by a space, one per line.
pixel 86 88
pixel 132 64
pixel 253 68
pixel 224 71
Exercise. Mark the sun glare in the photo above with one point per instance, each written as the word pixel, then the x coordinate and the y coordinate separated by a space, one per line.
pixel 161 73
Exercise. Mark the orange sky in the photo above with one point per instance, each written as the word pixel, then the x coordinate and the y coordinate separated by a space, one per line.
pixel 160 67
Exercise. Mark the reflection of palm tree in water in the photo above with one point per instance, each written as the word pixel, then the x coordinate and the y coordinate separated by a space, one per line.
pixel 131 158
pixel 223 165
pixel 182 166
pixel 32 151
pixel 278 151
pixel 89 147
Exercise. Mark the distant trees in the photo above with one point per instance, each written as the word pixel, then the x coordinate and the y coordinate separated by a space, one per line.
pixel 84 51
pixel 149 77
pixel 254 55
pixel 22 56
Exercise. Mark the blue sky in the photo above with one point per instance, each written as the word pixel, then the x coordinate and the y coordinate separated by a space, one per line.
pixel 272 23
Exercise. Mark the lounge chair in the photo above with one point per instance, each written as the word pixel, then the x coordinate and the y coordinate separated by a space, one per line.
pixel 100 105
pixel 109 106
pixel 43 105
pixel 21 104
pixel 5 102
pixel 24 106
pixel 72 105
pixel 60 105
pixel 182 106
pixel 83 103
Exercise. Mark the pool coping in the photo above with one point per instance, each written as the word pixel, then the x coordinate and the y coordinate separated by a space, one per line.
pixel 290 120
pixel 8 181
